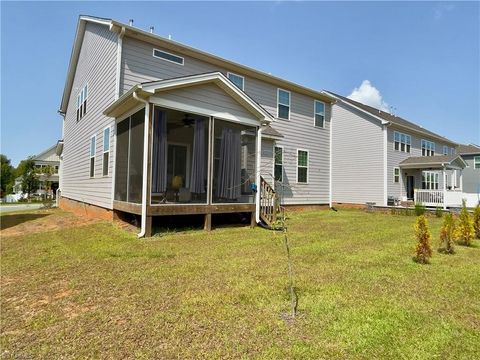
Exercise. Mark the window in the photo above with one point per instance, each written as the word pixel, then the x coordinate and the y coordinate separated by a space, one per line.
pixel 319 114
pixel 167 56
pixel 429 180
pixel 402 142
pixel 396 175
pixel 278 164
pixel 82 102
pixel 476 162
pixel 56 169
pixel 237 80
pixel 302 166
pixel 283 104
pixel 445 150
pixel 428 148
pixel 106 151
pixel 92 156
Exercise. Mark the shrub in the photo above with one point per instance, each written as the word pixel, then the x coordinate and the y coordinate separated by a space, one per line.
pixel 476 221
pixel 447 234
pixel 438 212
pixel 419 209
pixel 464 231
pixel 423 251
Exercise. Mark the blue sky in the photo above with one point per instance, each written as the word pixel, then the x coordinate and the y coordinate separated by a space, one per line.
pixel 422 58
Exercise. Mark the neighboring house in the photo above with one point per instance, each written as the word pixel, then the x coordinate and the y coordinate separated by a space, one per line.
pixel 153 127
pixel 382 158
pixel 47 158
pixel 471 175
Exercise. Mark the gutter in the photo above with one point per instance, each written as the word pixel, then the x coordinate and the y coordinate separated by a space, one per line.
pixel 145 165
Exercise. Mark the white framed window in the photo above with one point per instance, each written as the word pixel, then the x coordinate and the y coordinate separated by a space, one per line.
pixel 452 151
pixel 476 162
pixel 302 166
pixel 161 54
pixel 446 150
pixel 106 151
pixel 283 104
pixel 396 175
pixel 93 148
pixel 319 114
pixel 82 102
pixel 428 148
pixel 238 80
pixel 402 142
pixel 430 180
pixel 278 166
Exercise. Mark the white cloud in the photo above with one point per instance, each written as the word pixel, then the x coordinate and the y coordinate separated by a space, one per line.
pixel 368 94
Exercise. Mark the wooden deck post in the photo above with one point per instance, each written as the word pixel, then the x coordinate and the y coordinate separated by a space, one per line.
pixel 253 221
pixel 148 226
pixel 207 226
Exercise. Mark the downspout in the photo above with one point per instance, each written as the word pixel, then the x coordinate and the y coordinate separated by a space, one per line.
pixel 119 62
pixel 259 164
pixel 145 164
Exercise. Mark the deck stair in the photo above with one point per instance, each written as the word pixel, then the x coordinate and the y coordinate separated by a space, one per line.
pixel 270 209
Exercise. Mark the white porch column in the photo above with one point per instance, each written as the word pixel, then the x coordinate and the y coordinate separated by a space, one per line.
pixel 461 180
pixel 444 189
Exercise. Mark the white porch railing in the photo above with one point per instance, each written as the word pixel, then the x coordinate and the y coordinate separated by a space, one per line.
pixel 438 198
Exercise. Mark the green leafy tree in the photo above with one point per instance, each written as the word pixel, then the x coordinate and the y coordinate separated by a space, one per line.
pixel 7 176
pixel 30 182
pixel 464 231
pixel 423 251
pixel 476 221
pixel 447 235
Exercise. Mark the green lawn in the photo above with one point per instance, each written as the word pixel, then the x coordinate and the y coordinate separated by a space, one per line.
pixel 99 292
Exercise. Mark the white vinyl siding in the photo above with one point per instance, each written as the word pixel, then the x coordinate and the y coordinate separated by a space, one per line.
pixel 238 80
pixel 402 142
pixel 319 116
pixel 283 104
pixel 428 148
pixel 302 166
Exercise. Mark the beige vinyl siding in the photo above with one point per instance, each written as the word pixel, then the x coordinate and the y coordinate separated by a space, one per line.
pixel 139 65
pixel 96 66
pixel 471 176
pixel 357 160
pixel 394 158
pixel 267 160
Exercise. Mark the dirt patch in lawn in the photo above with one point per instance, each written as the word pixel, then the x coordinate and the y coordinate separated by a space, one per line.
pixel 36 221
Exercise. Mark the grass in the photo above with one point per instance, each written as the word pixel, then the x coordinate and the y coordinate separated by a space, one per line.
pixel 96 291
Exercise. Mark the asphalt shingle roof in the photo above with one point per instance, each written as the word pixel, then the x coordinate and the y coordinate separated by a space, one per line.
pixel 468 149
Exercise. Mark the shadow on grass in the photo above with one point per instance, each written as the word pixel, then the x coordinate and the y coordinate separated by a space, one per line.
pixel 10 220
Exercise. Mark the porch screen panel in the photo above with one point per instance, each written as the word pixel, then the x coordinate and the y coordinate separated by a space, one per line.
pixel 135 161
pixel 198 179
pixel 234 163
pixel 121 160
pixel 159 162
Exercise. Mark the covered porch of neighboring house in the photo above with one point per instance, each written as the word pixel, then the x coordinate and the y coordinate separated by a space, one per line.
pixel 433 181
pixel 187 146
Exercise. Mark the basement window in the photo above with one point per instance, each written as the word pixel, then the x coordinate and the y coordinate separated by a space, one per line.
pixel 160 54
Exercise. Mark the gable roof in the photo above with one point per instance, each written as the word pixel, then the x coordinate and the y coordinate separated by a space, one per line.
pixel 180 48
pixel 150 88
pixel 389 118
pixel 470 149
pixel 436 161
pixel 46 154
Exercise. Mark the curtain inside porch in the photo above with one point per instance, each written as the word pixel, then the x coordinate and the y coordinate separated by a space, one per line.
pixel 159 163
pixel 228 184
pixel 197 178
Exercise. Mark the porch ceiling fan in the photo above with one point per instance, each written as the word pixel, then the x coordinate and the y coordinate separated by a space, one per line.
pixel 186 122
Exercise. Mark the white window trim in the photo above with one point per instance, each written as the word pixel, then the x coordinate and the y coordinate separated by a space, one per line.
pixel 169 53
pixel 435 175
pixel 80 103
pixel 283 161
pixel 447 152
pixel 92 156
pixel 289 103
pixel 297 166
pixel 108 151
pixel 315 113
pixel 240 76
pixel 400 142
pixel 475 162
pixel 399 174
pixel 433 149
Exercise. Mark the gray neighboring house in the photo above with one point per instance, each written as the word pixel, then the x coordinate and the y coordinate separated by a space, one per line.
pixel 47 158
pixel 153 127
pixel 382 158
pixel 471 175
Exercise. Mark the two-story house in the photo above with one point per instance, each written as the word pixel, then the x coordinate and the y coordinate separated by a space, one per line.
pixel 154 127
pixel 384 159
